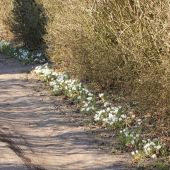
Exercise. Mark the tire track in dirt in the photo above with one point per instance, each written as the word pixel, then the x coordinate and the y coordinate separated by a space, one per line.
pixel 18 151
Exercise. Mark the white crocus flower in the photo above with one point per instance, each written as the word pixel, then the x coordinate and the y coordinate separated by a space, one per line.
pixel 123 116
pixel 115 109
pixel 120 119
pixel 101 95
pixel 79 97
pixel 154 156
pixel 106 104
pixel 108 109
pixel 158 147
pixel 137 135
pixel 111 119
pixel 132 142
pixel 133 153
pixel 89 98
pixel 96 117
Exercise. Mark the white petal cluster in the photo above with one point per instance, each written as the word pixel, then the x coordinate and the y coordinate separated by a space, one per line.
pixel 22 54
pixel 109 115
pixel 4 44
pixel 129 137
pixel 61 83
pixel 151 147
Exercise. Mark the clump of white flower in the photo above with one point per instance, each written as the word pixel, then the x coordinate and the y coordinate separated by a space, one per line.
pixel 135 152
pixel 149 148
pixel 60 83
pixel 101 95
pixel 44 72
pixel 110 115
pixel 152 147
pixel 129 137
pixel 6 48
pixel 22 54
pixel 4 44
pixel 26 56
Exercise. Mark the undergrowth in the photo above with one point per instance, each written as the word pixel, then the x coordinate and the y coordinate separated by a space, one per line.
pixel 22 54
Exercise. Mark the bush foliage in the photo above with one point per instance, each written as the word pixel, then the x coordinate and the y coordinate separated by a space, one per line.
pixel 27 23
pixel 132 41
pixel 122 45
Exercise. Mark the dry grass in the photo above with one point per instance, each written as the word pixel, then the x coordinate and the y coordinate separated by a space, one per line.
pixel 5 12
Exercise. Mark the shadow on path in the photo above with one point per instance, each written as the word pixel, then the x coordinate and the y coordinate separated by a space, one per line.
pixel 9 65
pixel 47 131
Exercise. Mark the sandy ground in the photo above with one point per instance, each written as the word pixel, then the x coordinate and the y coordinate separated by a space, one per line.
pixel 39 131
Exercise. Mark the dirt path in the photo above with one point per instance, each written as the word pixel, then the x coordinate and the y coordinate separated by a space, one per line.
pixel 39 131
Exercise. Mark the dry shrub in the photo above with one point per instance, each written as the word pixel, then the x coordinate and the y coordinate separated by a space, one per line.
pixel 5 9
pixel 122 45
pixel 64 28
pixel 118 45
pixel 125 47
